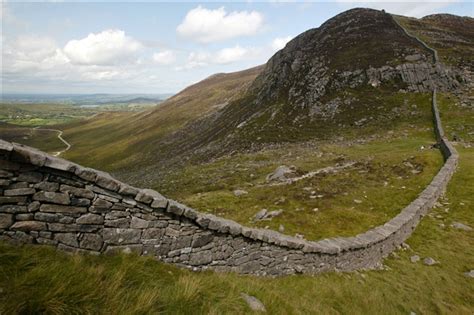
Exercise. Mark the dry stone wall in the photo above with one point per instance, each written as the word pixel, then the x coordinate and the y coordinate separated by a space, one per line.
pixel 51 201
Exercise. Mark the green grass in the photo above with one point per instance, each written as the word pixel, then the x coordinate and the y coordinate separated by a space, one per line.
pixel 44 140
pixel 382 179
pixel 36 279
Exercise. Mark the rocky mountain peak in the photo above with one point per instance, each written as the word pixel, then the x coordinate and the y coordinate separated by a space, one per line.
pixel 359 46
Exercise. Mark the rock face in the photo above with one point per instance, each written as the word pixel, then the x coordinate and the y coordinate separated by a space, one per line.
pixel 328 58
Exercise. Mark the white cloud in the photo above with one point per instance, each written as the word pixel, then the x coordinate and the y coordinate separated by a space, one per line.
pixel 280 42
pixel 33 48
pixel 205 26
pixel 105 48
pixel 220 57
pixel 229 55
pixel 196 60
pixel 165 57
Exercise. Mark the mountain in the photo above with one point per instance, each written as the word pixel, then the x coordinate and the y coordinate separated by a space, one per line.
pixel 345 79
pixel 323 81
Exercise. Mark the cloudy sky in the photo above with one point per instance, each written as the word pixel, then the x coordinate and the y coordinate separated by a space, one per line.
pixel 112 47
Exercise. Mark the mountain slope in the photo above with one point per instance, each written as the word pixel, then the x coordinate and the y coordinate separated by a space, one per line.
pixel 452 36
pixel 115 140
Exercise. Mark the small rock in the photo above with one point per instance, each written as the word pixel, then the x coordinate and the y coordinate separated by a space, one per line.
pixel 429 261
pixel 405 246
pixel 253 303
pixel 414 258
pixel 240 192
pixel 461 226
pixel 357 201
pixel 281 229
pixel 261 214
pixel 300 236
pixel 469 274
pixel 270 215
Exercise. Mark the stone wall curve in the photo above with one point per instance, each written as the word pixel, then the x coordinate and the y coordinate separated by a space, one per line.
pixel 52 201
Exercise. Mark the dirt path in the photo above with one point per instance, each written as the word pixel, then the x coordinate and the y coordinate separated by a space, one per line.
pixel 60 133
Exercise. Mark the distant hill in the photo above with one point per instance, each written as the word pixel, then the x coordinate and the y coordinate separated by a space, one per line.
pixel 84 99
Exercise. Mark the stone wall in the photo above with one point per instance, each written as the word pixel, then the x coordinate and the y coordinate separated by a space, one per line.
pixel 48 200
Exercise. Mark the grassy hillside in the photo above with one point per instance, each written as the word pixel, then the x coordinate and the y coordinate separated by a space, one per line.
pixel 452 36
pixel 120 140
pixel 38 279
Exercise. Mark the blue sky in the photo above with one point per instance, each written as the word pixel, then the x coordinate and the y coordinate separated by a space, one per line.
pixel 157 47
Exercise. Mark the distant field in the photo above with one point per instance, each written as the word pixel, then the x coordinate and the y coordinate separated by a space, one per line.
pixel 54 114
pixel 25 123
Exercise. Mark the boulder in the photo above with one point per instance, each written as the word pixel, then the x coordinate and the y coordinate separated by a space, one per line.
pixel 281 174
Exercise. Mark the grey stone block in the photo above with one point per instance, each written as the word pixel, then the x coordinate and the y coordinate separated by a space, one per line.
pixel 62 209
pixel 119 236
pixel 69 239
pixel 19 192
pixel 78 192
pixel 31 177
pixel 13 209
pixel 47 186
pixel 52 197
pixel 26 226
pixel 90 218
pixel 91 241
pixel 6 220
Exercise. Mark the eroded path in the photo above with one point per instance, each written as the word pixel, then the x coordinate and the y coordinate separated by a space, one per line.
pixel 60 133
